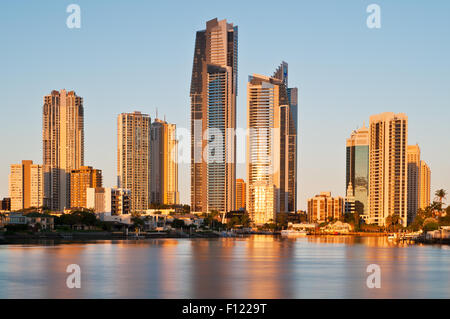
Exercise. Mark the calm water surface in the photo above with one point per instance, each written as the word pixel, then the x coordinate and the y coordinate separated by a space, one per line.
pixel 254 267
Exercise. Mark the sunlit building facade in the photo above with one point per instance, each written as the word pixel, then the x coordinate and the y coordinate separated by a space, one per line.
pixel 109 201
pixel 388 169
pixel 133 158
pixel 424 185
pixel 80 180
pixel 63 145
pixel 213 118
pixel 324 207
pixel 271 149
pixel 26 186
pixel 413 158
pixel 164 163
pixel 240 194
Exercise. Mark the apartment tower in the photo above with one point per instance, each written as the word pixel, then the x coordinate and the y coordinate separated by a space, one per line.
pixel 80 180
pixel 164 163
pixel 413 158
pixel 424 185
pixel 213 118
pixel 26 185
pixel 271 146
pixel 133 158
pixel 388 171
pixel 357 170
pixel 240 194
pixel 63 145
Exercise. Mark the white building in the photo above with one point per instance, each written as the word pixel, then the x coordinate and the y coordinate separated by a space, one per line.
pixel 109 201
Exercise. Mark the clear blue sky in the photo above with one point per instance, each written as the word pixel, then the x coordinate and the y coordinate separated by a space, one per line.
pixel 137 55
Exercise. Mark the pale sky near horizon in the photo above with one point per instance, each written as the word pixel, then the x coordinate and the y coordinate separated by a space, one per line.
pixel 137 55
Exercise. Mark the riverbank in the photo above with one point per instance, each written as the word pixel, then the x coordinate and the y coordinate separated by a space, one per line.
pixel 76 236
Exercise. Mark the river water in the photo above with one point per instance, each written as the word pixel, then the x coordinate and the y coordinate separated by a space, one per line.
pixel 253 267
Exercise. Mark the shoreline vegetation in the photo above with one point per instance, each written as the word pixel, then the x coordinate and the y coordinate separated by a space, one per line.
pixel 431 225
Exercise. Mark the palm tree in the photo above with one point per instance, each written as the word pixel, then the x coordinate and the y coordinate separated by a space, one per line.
pixel 441 195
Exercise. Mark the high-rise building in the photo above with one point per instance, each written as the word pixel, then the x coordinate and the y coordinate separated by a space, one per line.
pixel 271 146
pixel 323 207
pixel 288 141
pixel 26 185
pixel 5 204
pixel 133 158
pixel 413 158
pixel 63 145
pixel 357 169
pixel 424 185
pixel 164 163
pixel 213 118
pixel 240 194
pixel 110 201
pixel 388 167
pixel 80 180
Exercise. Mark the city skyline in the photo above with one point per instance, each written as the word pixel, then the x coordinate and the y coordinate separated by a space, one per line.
pixel 423 131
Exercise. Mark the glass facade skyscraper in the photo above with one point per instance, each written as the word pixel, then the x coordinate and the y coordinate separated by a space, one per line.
pixel 213 118
pixel 357 172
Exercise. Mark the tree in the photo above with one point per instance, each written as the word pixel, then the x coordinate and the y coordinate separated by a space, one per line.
pixel 177 223
pixel 245 220
pixel 440 195
pixel 138 223
pixel 430 224
pixel 393 222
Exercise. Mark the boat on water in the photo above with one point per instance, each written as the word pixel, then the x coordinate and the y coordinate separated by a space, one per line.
pixel 293 233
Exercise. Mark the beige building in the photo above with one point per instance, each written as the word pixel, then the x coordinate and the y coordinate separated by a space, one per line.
pixel 424 185
pixel 26 185
pixel 413 158
pixel 213 118
pixel 133 158
pixel 63 145
pixel 164 163
pixel 323 207
pixel 240 194
pixel 80 180
pixel 109 201
pixel 271 146
pixel 388 169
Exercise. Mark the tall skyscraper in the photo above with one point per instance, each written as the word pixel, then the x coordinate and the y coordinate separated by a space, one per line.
pixel 288 141
pixel 357 172
pixel 80 180
pixel 388 167
pixel 133 158
pixel 424 185
pixel 240 194
pixel 213 118
pixel 63 145
pixel 413 158
pixel 164 163
pixel 271 146
pixel 26 185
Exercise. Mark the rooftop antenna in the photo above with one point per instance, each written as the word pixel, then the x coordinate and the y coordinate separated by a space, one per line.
pixel 156 112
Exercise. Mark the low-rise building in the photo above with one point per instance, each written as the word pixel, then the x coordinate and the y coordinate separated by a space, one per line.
pixel 338 227
pixel 323 207
pixel 32 220
pixel 109 201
